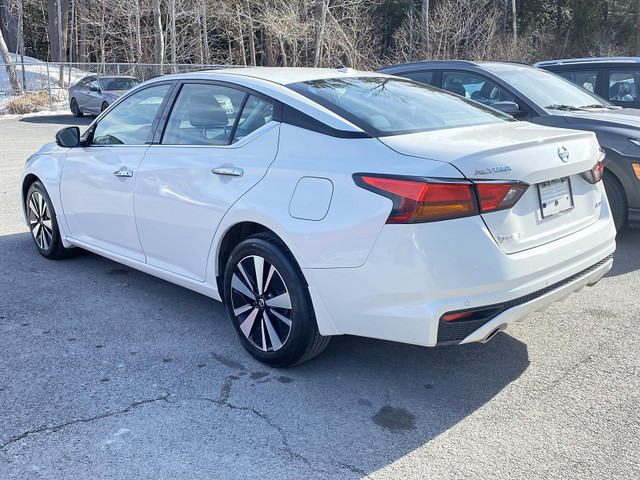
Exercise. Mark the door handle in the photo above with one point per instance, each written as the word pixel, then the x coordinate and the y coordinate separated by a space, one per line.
pixel 232 171
pixel 123 173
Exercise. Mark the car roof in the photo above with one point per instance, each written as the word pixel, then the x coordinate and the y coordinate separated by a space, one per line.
pixel 411 66
pixel 573 61
pixel 286 75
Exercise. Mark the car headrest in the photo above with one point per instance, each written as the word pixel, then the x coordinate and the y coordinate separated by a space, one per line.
pixel 206 112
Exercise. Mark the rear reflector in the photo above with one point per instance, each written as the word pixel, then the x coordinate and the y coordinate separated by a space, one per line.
pixel 452 317
pixel 636 169
pixel 498 196
pixel 417 201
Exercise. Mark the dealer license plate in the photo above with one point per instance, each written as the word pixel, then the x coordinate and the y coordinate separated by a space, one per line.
pixel 555 197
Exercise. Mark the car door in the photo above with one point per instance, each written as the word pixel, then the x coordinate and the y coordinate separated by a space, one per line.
pixel 98 179
pixel 94 96
pixel 218 142
pixel 82 93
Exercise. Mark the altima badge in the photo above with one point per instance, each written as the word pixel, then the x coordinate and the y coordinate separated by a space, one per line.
pixel 486 171
pixel 563 153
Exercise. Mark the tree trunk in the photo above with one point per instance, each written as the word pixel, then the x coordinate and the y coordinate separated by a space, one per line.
pixel 515 23
pixel 241 37
pixel 205 33
pixel 136 6
pixel 252 42
pixel 9 13
pixel 82 44
pixel 172 30
pixel 321 21
pixel 410 14
pixel 8 65
pixel 158 35
pixel 425 26
pixel 52 29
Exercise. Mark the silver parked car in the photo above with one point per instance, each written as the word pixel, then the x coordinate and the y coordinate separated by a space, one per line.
pixel 93 94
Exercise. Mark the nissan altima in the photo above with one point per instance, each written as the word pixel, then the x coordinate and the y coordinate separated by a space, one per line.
pixel 318 202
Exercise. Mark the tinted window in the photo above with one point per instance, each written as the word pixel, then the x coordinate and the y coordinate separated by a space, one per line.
pixel 391 106
pixel 423 77
pixel 475 87
pixel 203 115
pixel 584 78
pixel 129 123
pixel 119 83
pixel 623 85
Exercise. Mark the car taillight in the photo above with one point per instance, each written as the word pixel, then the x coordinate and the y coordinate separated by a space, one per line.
pixel 594 175
pixel 498 196
pixel 418 200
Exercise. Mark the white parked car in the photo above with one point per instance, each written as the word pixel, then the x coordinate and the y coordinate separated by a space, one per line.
pixel 326 202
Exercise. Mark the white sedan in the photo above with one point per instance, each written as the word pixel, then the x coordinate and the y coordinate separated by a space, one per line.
pixel 317 202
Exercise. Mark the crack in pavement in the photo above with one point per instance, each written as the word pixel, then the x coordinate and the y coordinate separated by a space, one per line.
pixel 56 428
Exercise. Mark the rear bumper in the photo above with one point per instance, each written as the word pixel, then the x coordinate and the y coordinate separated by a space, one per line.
pixel 417 273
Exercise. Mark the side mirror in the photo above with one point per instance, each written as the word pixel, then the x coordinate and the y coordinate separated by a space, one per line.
pixel 510 108
pixel 93 88
pixel 68 137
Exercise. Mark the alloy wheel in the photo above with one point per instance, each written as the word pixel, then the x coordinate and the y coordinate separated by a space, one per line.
pixel 261 303
pixel 40 221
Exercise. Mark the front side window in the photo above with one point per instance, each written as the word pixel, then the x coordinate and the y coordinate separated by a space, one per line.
pixel 130 122
pixel 95 83
pixel 475 87
pixel 623 85
pixel 392 106
pixel 583 78
pixel 214 115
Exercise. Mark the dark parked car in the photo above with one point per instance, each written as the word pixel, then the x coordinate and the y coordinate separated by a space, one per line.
pixel 93 94
pixel 537 96
pixel 614 78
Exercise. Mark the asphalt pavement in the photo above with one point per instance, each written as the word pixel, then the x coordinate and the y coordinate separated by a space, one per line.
pixel 109 373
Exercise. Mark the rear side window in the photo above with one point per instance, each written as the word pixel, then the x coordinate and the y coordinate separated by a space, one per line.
pixel 583 78
pixel 130 122
pixel 623 85
pixel 475 87
pixel 214 115
pixel 424 76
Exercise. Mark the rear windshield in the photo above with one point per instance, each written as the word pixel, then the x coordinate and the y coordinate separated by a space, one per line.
pixel 119 83
pixel 392 106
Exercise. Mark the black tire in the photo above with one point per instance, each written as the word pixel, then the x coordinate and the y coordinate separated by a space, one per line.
pixel 75 109
pixel 104 106
pixel 43 225
pixel 268 337
pixel 617 200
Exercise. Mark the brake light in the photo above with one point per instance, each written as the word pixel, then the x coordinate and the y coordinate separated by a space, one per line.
pixel 498 196
pixel 418 200
pixel 594 175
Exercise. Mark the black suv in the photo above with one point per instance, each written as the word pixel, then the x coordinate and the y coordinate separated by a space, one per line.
pixel 614 78
pixel 537 96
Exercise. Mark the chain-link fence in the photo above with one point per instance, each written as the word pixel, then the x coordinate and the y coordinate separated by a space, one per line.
pixel 55 79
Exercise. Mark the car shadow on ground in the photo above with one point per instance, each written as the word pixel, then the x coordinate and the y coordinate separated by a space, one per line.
pixel 62 119
pixel 627 256
pixel 386 398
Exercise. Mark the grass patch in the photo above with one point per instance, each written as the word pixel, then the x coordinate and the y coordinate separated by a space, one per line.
pixel 27 103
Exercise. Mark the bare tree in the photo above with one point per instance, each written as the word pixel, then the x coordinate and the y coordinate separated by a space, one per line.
pixel 8 64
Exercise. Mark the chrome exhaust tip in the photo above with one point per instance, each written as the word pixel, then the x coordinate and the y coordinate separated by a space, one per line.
pixel 493 333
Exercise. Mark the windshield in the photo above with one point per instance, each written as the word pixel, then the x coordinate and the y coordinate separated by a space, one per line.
pixel 546 89
pixel 118 83
pixel 391 106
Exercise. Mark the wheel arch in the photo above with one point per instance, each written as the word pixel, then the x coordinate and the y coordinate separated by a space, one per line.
pixel 241 230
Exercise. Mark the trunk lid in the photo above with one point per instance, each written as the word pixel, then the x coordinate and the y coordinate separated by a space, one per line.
pixel 520 152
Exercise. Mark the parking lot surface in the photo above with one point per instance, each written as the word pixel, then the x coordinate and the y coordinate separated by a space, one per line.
pixel 106 372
